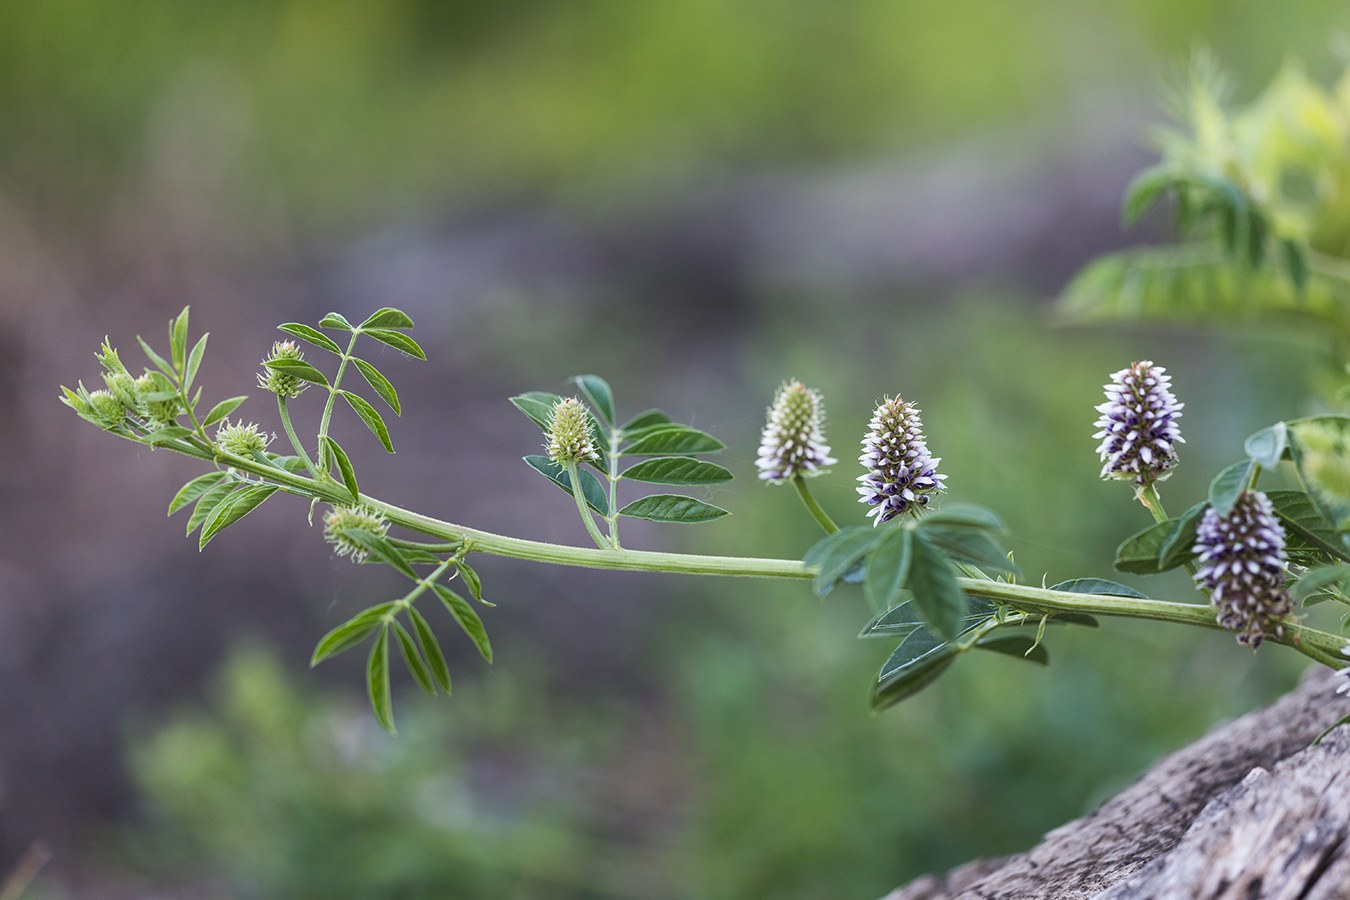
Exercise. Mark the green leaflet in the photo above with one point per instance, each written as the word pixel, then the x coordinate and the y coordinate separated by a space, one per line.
pixel 387 317
pixel 223 409
pixel 344 465
pixel 379 384
pixel 888 568
pixel 377 682
pixel 673 440
pixel 368 415
pixel 396 339
pixel 591 489
pixel 835 555
pixel 466 617
pixel 350 632
pixel 1229 484
pixel 598 392
pixel 298 368
pixel 413 658
pixel 427 641
pixel 232 510
pixel 933 581
pixel 310 335
pixel 191 491
pixel 672 508
pixel 1017 645
pixel 680 470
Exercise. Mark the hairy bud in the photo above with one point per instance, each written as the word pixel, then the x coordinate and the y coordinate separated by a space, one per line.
pixel 241 439
pixel 107 409
pixel 279 383
pixel 338 520
pixel 793 441
pixel 569 433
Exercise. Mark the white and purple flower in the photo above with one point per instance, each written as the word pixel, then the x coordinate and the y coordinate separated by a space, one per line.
pixel 1138 425
pixel 1242 564
pixel 793 442
pixel 901 475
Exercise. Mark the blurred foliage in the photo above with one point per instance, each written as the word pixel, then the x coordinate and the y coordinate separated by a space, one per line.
pixel 1262 199
pixel 344 104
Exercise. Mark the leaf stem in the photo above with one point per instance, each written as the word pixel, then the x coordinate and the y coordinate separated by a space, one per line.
pixel 333 388
pixel 579 495
pixel 295 441
pixel 812 506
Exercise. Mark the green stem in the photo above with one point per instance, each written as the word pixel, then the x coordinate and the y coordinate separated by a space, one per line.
pixel 579 495
pixel 1148 495
pixel 295 441
pixel 1317 645
pixel 812 506
pixel 333 388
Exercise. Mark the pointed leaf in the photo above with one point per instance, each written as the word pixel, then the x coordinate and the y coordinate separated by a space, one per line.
pixel 1017 645
pixel 166 434
pixel 835 555
pixel 670 440
pixel 970 545
pixel 194 362
pixel 377 682
pixel 1142 553
pixel 178 341
pixel 965 514
pixel 234 509
pixel 904 617
pixel 673 508
pixel 933 581
pixel 370 417
pixel 1228 485
pixel 888 568
pixel 157 359
pixel 466 617
pixel 1317 580
pixel 388 317
pixel 597 391
pixel 1097 586
pixel 427 641
pixel 652 418
pixel 915 664
pixel 677 470
pixel 350 632
pixel 413 658
pixel 312 336
pixel 538 405
pixel 207 503
pixel 335 322
pixel 471 579
pixel 194 489
pixel 1303 519
pixel 379 384
pixel 591 488
pixel 398 340
pixel 223 409
pixel 1268 446
pixel 1178 547
pixel 297 368
pixel 1144 189
pixel 345 470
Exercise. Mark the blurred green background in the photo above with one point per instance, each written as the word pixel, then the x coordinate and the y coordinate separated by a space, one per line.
pixel 696 200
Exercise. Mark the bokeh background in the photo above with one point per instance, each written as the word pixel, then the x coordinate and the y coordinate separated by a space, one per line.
pixel 695 199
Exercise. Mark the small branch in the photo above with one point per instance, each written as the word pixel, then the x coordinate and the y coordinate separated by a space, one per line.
pixel 810 502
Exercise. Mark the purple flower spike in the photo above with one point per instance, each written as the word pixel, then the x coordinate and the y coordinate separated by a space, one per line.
pixel 1242 564
pixel 794 441
pixel 901 476
pixel 1138 425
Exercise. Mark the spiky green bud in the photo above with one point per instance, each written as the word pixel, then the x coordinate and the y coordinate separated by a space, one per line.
pixel 279 383
pixel 122 386
pixel 159 398
pixel 241 439
pixel 107 409
pixel 569 433
pixel 338 520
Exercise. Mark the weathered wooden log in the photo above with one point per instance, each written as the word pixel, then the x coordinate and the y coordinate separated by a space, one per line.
pixel 1253 810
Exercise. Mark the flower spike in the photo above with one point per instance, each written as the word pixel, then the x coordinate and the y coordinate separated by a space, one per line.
pixel 1242 564
pixel 901 475
pixel 1138 428
pixel 569 433
pixel 793 442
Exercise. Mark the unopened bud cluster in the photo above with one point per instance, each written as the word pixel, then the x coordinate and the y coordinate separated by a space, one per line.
pixel 241 439
pixel 793 442
pixel 1138 427
pixel 338 520
pixel 1242 564
pixel 569 433
pixel 280 383
pixel 901 475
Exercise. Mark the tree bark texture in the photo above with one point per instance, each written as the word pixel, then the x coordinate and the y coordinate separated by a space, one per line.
pixel 1253 810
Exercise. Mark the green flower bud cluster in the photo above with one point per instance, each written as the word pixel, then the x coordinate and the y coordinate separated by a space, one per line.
pixel 569 433
pixel 158 398
pixel 241 439
pixel 338 520
pixel 280 383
